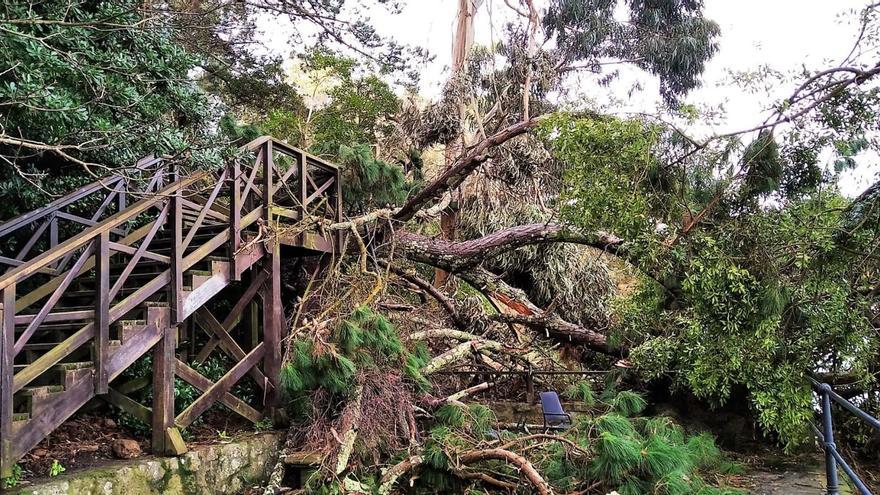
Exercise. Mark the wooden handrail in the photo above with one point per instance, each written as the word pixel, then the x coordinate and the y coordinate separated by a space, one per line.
pixel 290 150
pixel 44 260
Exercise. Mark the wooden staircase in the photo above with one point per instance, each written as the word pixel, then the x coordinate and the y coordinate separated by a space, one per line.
pixel 98 278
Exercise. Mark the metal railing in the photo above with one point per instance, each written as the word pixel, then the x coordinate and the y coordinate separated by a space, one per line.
pixel 833 459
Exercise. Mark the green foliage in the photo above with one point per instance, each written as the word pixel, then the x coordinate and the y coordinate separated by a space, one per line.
pixel 122 92
pixel 581 391
pixel 12 481
pixel 617 456
pixel 703 451
pixel 56 468
pixel 628 403
pixel 358 107
pixel 764 168
pixel 368 181
pixel 604 185
pixel 615 424
pixel 364 340
pixel 753 294
pixel 651 455
pixel 670 39
pixel 451 415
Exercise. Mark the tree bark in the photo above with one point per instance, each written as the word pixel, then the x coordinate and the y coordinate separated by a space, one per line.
pixel 351 418
pixel 396 471
pixel 517 460
pixel 458 256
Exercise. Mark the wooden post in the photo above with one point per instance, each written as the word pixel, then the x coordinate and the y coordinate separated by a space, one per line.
pixel 303 183
pixel 175 224
pixel 7 343
pixel 253 321
pixel 163 389
pixel 272 310
pixel 272 321
pixel 530 387
pixel 102 312
pixel 338 209
pixel 234 218
pixel 53 233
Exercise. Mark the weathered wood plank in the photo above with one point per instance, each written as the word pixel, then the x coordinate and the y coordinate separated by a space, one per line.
pixel 234 219
pixel 122 248
pixel 220 388
pixel 175 288
pixel 272 321
pixel 198 381
pixel 7 339
pixel 142 413
pixel 163 389
pixel 102 313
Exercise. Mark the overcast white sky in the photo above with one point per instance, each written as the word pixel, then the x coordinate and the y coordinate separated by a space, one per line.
pixel 785 35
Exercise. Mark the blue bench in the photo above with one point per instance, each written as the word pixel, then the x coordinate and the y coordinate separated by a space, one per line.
pixel 554 416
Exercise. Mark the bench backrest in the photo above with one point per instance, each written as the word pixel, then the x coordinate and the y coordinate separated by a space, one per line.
pixel 552 408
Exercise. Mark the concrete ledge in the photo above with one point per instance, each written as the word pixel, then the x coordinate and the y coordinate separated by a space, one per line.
pixel 206 469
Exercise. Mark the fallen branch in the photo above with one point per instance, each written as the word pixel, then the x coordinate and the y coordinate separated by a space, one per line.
pixel 461 168
pixel 390 477
pixel 428 288
pixel 351 417
pixel 523 464
pixel 458 353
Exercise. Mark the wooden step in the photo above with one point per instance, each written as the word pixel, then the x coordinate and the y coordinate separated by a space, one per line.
pixel 39 398
pixel 71 373
pixel 126 329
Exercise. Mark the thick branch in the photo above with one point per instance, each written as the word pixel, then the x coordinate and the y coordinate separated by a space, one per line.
pixel 454 175
pixel 517 460
pixel 457 256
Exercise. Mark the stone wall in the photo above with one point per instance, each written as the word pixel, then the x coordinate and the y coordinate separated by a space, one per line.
pixel 205 470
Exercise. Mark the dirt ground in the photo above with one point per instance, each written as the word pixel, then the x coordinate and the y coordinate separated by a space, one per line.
pixel 86 440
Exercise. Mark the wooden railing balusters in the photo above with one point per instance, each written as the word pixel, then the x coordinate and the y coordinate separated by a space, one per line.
pixel 53 300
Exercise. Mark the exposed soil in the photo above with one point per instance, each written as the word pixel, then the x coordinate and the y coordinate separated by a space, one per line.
pixel 85 440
